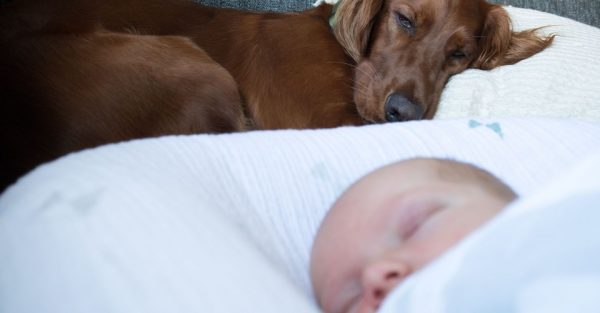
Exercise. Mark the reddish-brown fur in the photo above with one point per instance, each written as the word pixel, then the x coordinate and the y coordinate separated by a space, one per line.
pixel 80 73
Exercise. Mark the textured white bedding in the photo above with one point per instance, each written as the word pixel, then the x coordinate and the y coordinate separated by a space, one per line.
pixel 223 223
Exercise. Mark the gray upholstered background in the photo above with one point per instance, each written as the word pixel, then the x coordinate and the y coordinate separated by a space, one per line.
pixel 587 11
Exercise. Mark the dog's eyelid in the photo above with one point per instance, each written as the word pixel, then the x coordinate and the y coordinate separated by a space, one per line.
pixel 405 22
pixel 458 54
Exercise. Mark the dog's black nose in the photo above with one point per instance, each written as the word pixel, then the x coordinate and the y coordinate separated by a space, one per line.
pixel 399 109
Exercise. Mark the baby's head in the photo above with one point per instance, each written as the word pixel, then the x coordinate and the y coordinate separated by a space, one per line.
pixel 392 223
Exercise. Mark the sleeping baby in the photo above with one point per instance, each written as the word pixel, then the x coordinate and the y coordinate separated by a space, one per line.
pixel 392 223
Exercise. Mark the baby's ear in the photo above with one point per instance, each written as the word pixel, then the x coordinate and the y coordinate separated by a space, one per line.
pixel 499 45
pixel 352 25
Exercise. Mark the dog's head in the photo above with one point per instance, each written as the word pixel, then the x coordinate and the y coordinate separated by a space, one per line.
pixel 406 50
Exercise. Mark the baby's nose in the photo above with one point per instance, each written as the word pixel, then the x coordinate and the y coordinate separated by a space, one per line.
pixel 380 278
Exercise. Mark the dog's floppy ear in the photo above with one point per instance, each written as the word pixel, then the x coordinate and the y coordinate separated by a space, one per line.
pixel 499 45
pixel 352 24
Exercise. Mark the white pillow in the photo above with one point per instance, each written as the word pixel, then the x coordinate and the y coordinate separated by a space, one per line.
pixel 562 81
pixel 75 239
pixel 539 256
pixel 222 222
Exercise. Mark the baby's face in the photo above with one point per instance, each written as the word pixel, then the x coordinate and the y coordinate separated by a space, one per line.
pixel 389 224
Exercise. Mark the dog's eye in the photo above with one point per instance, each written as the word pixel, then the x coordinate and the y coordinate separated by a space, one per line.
pixel 458 55
pixel 404 22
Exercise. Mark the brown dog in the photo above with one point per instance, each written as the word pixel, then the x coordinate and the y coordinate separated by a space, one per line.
pixel 81 73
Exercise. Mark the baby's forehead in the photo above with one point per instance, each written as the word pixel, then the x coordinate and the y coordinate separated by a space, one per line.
pixel 413 168
pixel 415 173
pixel 434 164
pixel 426 167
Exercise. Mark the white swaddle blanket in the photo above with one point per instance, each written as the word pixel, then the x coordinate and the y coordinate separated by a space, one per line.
pixel 222 223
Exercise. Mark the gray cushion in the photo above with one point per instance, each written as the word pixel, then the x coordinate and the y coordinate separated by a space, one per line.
pixel 587 11
pixel 261 5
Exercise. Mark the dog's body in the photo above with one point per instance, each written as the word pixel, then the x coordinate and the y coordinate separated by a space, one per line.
pixel 77 74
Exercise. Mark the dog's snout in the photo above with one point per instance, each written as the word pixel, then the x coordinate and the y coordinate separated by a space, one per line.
pixel 399 109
